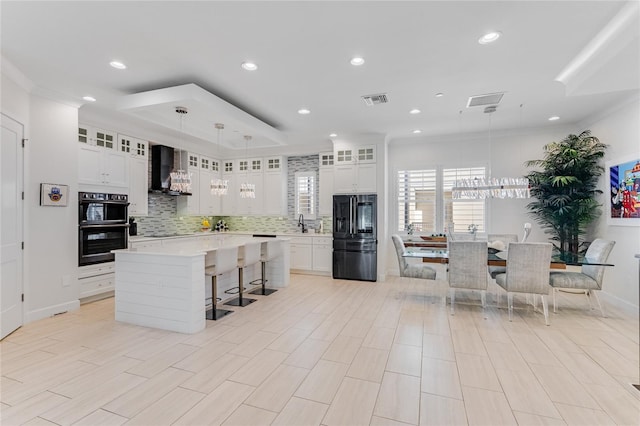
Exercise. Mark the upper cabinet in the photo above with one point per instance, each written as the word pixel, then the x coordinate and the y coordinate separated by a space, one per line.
pixel 138 152
pixel 275 186
pixel 325 190
pixel 99 163
pixel 189 205
pixel 355 169
pixel 209 170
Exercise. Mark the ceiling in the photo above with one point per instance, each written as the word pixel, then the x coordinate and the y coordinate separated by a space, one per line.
pixel 412 51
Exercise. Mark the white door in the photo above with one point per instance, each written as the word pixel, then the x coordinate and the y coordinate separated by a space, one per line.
pixel 11 229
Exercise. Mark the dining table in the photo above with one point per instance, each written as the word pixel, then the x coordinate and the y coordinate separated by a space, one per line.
pixel 498 258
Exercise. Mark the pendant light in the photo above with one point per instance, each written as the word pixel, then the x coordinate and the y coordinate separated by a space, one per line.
pixel 481 188
pixel 180 180
pixel 219 186
pixel 247 190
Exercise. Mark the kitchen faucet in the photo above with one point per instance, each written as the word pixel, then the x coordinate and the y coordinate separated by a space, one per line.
pixel 301 223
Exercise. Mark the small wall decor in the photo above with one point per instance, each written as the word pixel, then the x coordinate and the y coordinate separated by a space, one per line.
pixel 624 186
pixel 53 194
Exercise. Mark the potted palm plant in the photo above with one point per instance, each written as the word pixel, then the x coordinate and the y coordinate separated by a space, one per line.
pixel 565 189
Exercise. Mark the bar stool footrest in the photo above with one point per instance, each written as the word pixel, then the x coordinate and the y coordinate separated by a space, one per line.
pixel 240 302
pixel 215 314
pixel 263 291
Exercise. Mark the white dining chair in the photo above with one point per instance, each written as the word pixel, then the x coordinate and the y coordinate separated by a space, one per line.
pixel 589 278
pixel 411 270
pixel 527 272
pixel 506 239
pixel 468 269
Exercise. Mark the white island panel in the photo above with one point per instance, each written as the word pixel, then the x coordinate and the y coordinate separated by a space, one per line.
pixel 163 285
pixel 161 291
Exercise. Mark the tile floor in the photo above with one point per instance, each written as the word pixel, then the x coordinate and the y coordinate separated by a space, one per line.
pixel 330 352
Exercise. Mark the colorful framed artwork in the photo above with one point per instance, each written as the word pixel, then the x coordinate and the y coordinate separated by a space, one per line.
pixel 624 189
pixel 53 194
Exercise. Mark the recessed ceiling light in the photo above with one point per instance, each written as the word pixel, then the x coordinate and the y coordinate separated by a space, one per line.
pixel 439 95
pixel 554 118
pixel 89 98
pixel 304 111
pixel 417 131
pixel 414 111
pixel 249 66
pixel 333 135
pixel 357 61
pixel 118 65
pixel 489 37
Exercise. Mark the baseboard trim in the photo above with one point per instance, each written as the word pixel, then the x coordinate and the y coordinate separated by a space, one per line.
pixel 50 311
pixel 628 307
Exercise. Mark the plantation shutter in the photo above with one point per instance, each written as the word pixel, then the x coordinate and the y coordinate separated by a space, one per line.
pixel 462 212
pixel 417 200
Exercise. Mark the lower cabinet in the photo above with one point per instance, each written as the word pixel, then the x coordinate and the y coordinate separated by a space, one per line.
pixel 311 254
pixel 301 253
pixel 96 280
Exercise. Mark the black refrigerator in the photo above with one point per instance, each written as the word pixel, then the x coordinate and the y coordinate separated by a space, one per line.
pixel 355 237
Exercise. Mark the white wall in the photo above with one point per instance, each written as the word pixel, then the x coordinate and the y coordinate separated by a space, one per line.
pixel 51 245
pixel 620 129
pixel 50 233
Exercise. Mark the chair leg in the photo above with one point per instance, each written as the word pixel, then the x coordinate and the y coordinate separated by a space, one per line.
pixel 241 300
pixel 545 309
pixel 483 297
pixel 599 304
pixel 452 296
pixel 510 304
pixel 588 294
pixel 215 313
pixel 555 304
pixel 263 290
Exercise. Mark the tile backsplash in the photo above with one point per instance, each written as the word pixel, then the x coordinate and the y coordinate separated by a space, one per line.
pixel 163 218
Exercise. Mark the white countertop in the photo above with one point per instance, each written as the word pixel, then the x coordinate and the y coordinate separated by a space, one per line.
pixel 136 238
pixel 196 247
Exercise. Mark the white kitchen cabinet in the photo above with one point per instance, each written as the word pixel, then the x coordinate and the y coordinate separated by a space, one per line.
pixel 138 152
pixel 365 154
pixel 103 167
pixel 133 146
pixel 189 205
pixel 326 189
pixel 230 201
pixel 95 280
pixel 275 186
pixel 209 203
pixel 325 160
pixel 301 253
pixel 138 186
pixel 251 206
pixel 355 170
pixel 322 254
pixel 97 137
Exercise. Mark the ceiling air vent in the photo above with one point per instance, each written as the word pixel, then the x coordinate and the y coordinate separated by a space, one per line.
pixel 482 100
pixel 371 100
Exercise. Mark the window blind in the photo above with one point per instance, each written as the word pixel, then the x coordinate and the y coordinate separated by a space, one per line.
pixel 417 199
pixel 305 195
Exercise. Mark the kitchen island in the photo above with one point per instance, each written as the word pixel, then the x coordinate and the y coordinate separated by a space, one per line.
pixel 162 285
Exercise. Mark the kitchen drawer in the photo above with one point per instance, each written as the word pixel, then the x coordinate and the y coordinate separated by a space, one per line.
pixel 97 269
pixel 322 241
pixel 300 240
pixel 92 286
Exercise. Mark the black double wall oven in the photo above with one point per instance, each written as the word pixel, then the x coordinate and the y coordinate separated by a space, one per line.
pixel 102 226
